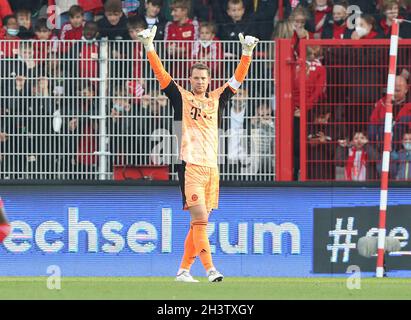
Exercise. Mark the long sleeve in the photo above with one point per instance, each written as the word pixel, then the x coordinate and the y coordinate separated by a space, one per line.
pixel 161 74
pixel 240 73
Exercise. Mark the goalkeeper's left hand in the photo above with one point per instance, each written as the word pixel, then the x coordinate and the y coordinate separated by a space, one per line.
pixel 248 43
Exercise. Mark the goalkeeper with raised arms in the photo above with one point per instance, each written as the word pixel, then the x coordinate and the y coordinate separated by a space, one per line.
pixel 196 118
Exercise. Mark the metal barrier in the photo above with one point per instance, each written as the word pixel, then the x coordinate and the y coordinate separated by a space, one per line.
pixel 78 109
pixel 342 120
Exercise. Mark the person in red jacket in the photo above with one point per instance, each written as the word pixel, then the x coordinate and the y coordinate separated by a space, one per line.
pixel 73 30
pixel 400 109
pixel 336 24
pixel 315 79
pixel 180 33
pixel 182 28
pixel 5 10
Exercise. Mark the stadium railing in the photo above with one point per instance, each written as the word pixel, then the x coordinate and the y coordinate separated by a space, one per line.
pixel 81 110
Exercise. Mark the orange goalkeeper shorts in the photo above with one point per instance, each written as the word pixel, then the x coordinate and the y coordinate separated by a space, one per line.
pixel 199 186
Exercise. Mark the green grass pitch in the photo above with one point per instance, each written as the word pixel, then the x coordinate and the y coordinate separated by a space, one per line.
pixel 158 288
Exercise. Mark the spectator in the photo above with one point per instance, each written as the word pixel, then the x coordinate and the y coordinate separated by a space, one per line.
pixel 208 49
pixel 336 24
pixel 319 10
pixel 43 47
pixel 124 132
pixel 10 48
pixel 17 87
pixel 390 10
pixel 298 20
pixel 134 72
pixel 73 29
pixel 401 160
pixel 400 105
pixel 320 146
pixel 180 34
pixel 263 13
pixel 5 10
pixel 316 79
pixel 83 56
pixel 91 8
pixel 156 124
pixel 235 22
pixel 84 130
pixel 262 141
pixel 358 158
pixel 114 23
pixel 284 30
pixel 182 28
pixel 365 28
pixel 153 17
pixel 236 124
pixel 25 24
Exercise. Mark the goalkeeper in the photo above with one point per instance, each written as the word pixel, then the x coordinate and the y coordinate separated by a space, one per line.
pixel 196 118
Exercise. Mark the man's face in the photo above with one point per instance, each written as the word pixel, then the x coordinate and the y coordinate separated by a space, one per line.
pixel 133 32
pixel 43 34
pixel 199 80
pixel 401 89
pixel 24 20
pixel 206 34
pixel 77 20
pixel 113 17
pixel 179 14
pixel 236 11
pixel 152 11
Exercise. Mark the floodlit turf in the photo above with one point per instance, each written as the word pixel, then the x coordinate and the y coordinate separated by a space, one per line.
pixel 231 289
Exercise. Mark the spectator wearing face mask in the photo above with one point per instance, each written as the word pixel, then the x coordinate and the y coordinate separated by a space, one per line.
pixel 401 160
pixel 336 23
pixel 9 48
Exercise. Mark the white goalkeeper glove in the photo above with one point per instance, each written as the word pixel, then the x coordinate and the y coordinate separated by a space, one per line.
pixel 248 43
pixel 146 37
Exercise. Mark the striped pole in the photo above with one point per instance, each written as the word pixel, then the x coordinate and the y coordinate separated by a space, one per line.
pixel 387 148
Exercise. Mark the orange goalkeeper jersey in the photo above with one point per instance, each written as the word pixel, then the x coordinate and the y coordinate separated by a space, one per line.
pixel 198 117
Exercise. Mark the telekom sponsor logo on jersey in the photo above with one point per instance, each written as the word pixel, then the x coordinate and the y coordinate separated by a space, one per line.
pixel 143 237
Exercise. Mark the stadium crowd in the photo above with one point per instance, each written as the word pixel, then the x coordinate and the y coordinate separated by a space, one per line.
pixel 334 151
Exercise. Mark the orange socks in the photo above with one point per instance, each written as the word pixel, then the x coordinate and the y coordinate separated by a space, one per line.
pixel 189 251
pixel 201 243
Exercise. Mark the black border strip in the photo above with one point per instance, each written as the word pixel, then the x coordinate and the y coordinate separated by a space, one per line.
pixel 240 184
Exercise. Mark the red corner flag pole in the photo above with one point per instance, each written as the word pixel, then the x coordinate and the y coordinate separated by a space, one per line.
pixel 387 148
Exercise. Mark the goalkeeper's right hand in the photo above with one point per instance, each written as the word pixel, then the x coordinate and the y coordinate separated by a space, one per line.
pixel 147 37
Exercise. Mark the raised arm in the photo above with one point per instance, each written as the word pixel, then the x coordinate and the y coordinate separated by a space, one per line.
pixel 248 43
pixel 147 37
